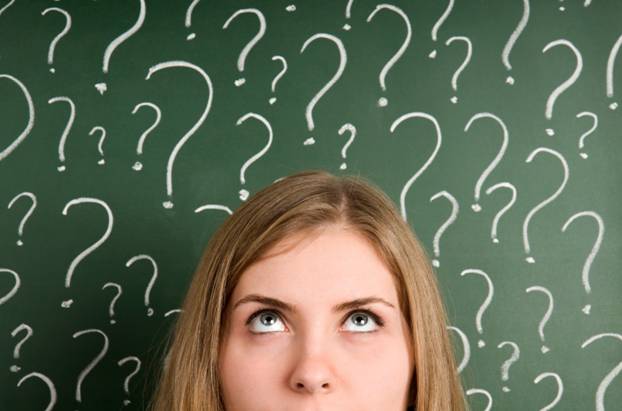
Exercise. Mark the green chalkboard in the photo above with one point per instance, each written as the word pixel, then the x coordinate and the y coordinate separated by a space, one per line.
pixel 130 130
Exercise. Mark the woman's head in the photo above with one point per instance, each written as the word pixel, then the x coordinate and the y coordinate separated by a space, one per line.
pixel 312 241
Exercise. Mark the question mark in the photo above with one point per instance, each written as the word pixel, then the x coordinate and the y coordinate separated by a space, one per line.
pixel 28 329
pixel 126 383
pixel 454 78
pixel 547 315
pixel 214 207
pixel 31 118
pixel 114 300
pixel 610 62
pixel 346 26
pixel 466 347
pixel 48 382
pixel 567 83
pixel 188 21
pixel 438 24
pixel 484 393
pixel 6 6
pixel 244 193
pixel 189 133
pixel 382 102
pixel 604 384
pixel 102 87
pixel 63 139
pixel 560 388
pixel 561 158
pixel 505 54
pixel 454 214
pixel 590 258
pixel 176 310
pixel 59 35
pixel 485 304
pixel 92 247
pixel 94 362
pixel 141 141
pixel 278 76
pixel 587 133
pixel 495 221
pixel 101 142
pixel 343 58
pixel 154 276
pixel 439 139
pixel 251 43
pixel 33 198
pixel 11 293
pixel 505 368
pixel 504 145
pixel 346 127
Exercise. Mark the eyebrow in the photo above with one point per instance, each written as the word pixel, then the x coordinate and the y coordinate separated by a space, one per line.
pixel 274 302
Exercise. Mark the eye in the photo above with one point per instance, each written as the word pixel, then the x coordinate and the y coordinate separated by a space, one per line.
pixel 359 318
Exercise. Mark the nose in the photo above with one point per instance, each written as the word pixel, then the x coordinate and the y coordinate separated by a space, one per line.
pixel 312 371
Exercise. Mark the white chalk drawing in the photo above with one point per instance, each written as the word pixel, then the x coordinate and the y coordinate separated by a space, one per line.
pixel 560 388
pixel 213 207
pixel 466 347
pixel 141 141
pixel 31 118
pixel 346 26
pixel 382 102
pixel 343 58
pixel 455 208
pixel 59 35
pixel 439 139
pixel 480 312
pixel 585 273
pixel 48 382
pixel 276 78
pixel 507 49
pixel 505 367
pixel 188 20
pixel 495 221
pixel 606 381
pixel 92 247
pixel 556 194
pixel 547 315
pixel 352 130
pixel 126 382
pixel 189 133
pixel 114 299
pixel 95 360
pixel 504 145
pixel 587 133
pixel 243 192
pixel 16 286
pixel 291 8
pixel 63 139
pixel 474 391
pixel 6 6
pixel 550 102
pixel 169 312
pixel 28 333
pixel 613 54
pixel 152 281
pixel 251 43
pixel 102 137
pixel 467 59
pixel 102 86
pixel 33 205
pixel 438 25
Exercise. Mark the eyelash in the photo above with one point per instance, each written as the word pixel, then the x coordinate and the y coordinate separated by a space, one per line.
pixel 377 319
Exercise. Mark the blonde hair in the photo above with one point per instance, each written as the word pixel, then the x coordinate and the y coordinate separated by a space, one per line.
pixel 189 380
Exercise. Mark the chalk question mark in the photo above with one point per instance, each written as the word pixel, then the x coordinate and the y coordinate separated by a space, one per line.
pixel 93 362
pixel 251 43
pixel 505 54
pixel 102 87
pixel 13 291
pixel 466 347
pixel 114 300
pixel 613 54
pixel 480 391
pixel 547 315
pixel 154 276
pixel 59 35
pixel 505 368
pixel 277 77
pixel 31 118
pixel 606 381
pixel 48 382
pixel 438 25
pixel 485 304
pixel 590 258
pixel 18 346
pixel 63 139
pixel 141 141
pixel 346 127
pixel 92 247
pixel 213 207
pixel 6 6
pixel 382 102
pixel 101 142
pixel 33 205
pixel 126 383
pixel 346 26
pixel 455 208
pixel 467 59
pixel 560 388
pixel 587 133
pixel 343 58
pixel 495 221
pixel 188 21
pixel 243 192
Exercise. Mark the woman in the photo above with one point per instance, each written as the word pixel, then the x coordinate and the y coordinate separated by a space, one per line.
pixel 268 322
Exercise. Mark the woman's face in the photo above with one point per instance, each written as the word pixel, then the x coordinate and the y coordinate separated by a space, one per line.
pixel 316 355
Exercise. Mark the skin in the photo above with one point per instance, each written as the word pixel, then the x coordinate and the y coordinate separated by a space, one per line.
pixel 314 359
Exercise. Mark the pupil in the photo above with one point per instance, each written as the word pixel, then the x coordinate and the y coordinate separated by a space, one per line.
pixel 363 317
pixel 269 316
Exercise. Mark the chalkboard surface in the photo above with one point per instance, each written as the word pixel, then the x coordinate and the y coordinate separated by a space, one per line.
pixel 130 130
